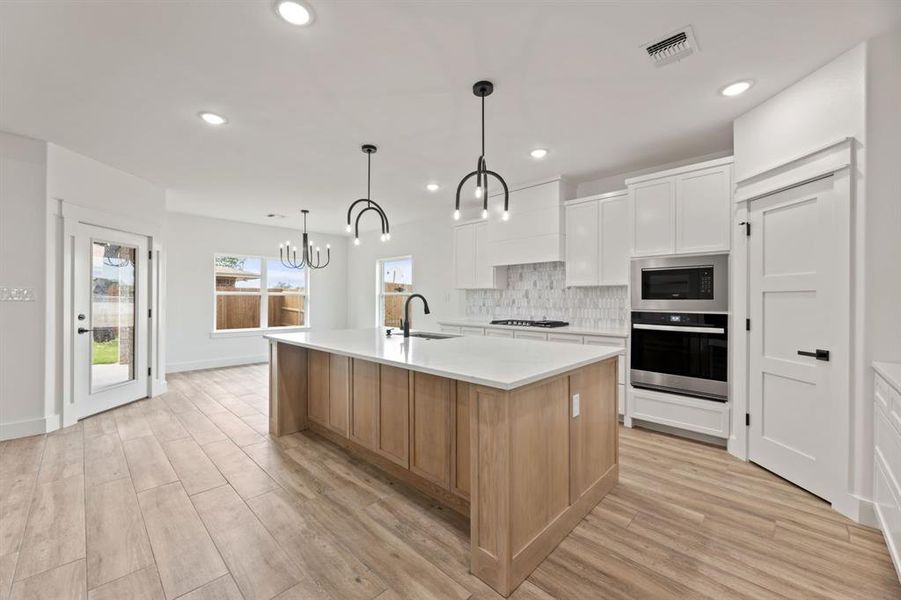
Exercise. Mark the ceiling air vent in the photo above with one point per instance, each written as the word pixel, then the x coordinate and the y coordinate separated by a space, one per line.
pixel 675 46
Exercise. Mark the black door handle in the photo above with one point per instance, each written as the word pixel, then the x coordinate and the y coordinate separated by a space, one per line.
pixel 83 330
pixel 818 354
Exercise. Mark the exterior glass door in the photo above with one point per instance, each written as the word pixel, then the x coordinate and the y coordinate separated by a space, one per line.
pixel 112 314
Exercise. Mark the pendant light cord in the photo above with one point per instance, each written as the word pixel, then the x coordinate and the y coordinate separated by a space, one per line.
pixel 368 178
pixel 483 125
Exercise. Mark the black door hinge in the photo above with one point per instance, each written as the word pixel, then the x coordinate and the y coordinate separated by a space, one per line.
pixel 149 370
pixel 747 419
pixel 150 255
pixel 747 225
pixel 747 324
pixel 149 313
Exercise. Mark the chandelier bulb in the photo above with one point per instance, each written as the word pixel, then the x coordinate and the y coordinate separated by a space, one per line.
pixel 382 237
pixel 348 228
pixel 328 246
pixel 387 236
pixel 478 191
pixel 456 215
pixel 356 241
pixel 484 214
pixel 506 216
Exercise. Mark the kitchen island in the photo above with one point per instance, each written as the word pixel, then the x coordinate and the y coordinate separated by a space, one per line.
pixel 519 435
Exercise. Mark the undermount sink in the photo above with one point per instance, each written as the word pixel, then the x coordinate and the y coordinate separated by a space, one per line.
pixel 432 336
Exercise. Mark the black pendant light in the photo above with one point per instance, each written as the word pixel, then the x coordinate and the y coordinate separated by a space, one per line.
pixel 288 253
pixel 482 89
pixel 369 150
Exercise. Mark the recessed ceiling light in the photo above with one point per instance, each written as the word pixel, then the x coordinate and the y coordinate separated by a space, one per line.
pixel 213 118
pixel 538 153
pixel 432 187
pixel 734 89
pixel 294 12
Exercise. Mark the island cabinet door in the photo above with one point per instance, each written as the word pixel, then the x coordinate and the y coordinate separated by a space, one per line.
pixel 460 468
pixel 394 415
pixel 364 403
pixel 318 394
pixel 430 428
pixel 339 393
pixel 593 431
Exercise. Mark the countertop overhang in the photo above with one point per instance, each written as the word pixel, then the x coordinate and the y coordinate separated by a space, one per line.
pixel 494 362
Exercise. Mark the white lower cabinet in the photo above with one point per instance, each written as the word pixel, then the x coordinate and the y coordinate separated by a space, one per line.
pixel 501 333
pixel 450 329
pixel 887 463
pixel 682 412
pixel 570 338
pixel 472 330
pixel 530 335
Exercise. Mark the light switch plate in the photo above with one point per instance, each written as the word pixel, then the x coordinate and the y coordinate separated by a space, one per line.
pixel 576 402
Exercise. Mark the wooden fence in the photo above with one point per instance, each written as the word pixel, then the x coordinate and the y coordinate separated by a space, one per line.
pixel 243 312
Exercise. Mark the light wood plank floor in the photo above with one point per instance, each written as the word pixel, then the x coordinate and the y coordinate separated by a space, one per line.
pixel 186 496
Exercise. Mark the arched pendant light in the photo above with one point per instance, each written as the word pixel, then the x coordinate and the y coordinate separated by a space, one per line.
pixel 482 89
pixel 369 150
pixel 289 258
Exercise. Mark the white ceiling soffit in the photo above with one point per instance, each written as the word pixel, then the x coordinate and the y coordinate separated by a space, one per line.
pixel 123 82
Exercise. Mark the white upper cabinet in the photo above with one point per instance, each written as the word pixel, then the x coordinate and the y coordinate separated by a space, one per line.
pixel 703 206
pixel 682 211
pixel 582 240
pixel 653 217
pixel 597 240
pixel 472 263
pixel 464 256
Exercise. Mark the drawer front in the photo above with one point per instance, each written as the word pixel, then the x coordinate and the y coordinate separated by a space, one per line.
pixel 450 329
pixel 692 414
pixel 601 340
pixel 501 333
pixel 472 331
pixel 564 337
pixel 529 335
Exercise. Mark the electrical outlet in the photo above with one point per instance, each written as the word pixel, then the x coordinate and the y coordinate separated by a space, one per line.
pixel 576 401
pixel 14 294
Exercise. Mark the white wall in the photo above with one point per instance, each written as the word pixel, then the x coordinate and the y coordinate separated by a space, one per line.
pixel 430 243
pixel 22 265
pixel 191 243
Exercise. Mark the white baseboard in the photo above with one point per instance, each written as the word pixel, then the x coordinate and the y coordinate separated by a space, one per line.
pixel 215 363
pixel 858 509
pixel 19 429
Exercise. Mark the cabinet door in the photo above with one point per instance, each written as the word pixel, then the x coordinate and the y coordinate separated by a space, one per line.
pixel 430 427
pixel 482 267
pixel 339 393
pixel 464 257
pixel 615 243
pixel 365 403
pixel 593 443
pixel 653 217
pixel 460 466
pixel 318 391
pixel 703 205
pixel 394 415
pixel 582 244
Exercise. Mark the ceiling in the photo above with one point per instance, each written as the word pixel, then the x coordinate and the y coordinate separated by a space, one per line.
pixel 123 81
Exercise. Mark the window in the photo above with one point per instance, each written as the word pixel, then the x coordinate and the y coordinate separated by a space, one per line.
pixel 395 284
pixel 244 302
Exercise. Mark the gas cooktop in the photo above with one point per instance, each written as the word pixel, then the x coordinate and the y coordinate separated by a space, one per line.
pixel 526 323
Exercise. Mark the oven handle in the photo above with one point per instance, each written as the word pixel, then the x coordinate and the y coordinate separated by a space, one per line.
pixel 712 330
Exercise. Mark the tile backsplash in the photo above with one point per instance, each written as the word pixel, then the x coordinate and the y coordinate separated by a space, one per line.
pixel 538 291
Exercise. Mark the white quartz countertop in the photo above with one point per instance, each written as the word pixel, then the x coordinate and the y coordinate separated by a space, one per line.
pixel 621 333
pixel 495 362
pixel 891 372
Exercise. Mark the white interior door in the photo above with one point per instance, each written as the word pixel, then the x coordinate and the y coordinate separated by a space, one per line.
pixel 798 283
pixel 110 321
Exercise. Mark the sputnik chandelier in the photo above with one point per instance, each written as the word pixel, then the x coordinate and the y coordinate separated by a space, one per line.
pixel 287 253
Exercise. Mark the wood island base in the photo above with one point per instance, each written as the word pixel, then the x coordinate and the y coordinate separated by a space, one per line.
pixel 524 464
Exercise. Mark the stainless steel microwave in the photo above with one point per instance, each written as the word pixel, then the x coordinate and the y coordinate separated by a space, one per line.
pixel 681 283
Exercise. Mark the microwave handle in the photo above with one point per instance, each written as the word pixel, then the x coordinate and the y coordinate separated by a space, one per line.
pixel 712 330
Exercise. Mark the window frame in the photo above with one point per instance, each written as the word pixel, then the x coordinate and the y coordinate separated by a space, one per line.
pixel 264 294
pixel 380 292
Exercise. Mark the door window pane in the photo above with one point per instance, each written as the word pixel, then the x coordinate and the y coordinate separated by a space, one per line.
pixel 112 314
